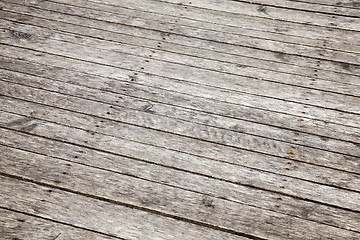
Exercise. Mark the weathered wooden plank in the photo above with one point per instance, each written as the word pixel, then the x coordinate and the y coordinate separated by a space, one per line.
pixel 247 91
pixel 105 103
pixel 249 31
pixel 189 181
pixel 248 8
pixel 306 190
pixel 184 180
pixel 228 139
pixel 208 82
pixel 228 38
pixel 149 49
pixel 306 6
pixel 270 164
pixel 84 212
pixel 151 196
pixel 189 115
pixel 16 225
pixel 309 6
pixel 122 86
pixel 214 46
pixel 257 76
pixel 219 21
pixel 344 3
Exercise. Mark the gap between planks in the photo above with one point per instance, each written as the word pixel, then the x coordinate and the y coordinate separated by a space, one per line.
pixel 20 225
pixel 84 13
pixel 184 180
pixel 211 88
pixel 175 203
pixel 199 165
pixel 140 118
pixel 276 58
pixel 118 220
pixel 116 83
pixel 217 36
pixel 151 52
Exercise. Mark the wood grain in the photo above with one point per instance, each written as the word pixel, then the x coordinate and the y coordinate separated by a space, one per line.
pixel 84 212
pixel 172 119
pixel 201 78
pixel 234 173
pixel 181 179
pixel 185 40
pixel 16 225
pixel 141 91
pixel 160 198
pixel 181 128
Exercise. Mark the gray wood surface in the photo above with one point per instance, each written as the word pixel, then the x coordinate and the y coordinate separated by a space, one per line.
pixel 172 119
pixel 161 198
pixel 160 173
pixel 15 225
pixel 118 220
pixel 94 20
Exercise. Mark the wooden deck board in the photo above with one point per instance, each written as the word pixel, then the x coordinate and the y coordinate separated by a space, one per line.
pixel 174 119
pixel 179 38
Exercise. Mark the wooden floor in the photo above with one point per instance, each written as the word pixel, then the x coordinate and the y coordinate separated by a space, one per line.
pixel 171 119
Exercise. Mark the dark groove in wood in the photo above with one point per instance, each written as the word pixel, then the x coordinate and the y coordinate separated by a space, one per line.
pixel 192 137
pixel 108 65
pixel 217 41
pixel 162 14
pixel 299 9
pixel 104 102
pixel 204 68
pixel 186 108
pixel 169 185
pixel 113 66
pixel 280 62
pixel 55 221
pixel 220 161
pixel 152 211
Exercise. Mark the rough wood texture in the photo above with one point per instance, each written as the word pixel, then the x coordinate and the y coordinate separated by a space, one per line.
pixel 172 119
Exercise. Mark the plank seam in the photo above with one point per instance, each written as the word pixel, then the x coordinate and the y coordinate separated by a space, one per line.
pixel 216 160
pixel 132 206
pixel 262 17
pixel 55 221
pixel 195 173
pixel 279 62
pixel 299 9
pixel 204 68
pixel 199 38
pixel 269 110
pixel 182 107
pixel 153 128
pixel 174 186
pixel 201 21
pixel 192 137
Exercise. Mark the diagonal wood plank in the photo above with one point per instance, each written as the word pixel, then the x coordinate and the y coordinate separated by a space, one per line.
pixel 118 220
pixel 170 71
pixel 229 172
pixel 345 67
pixel 200 78
pixel 235 142
pixel 216 36
pixel 154 197
pixel 120 86
pixel 184 180
pixel 17 225
pixel 249 8
pixel 258 77
pixel 269 163
pixel 134 103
